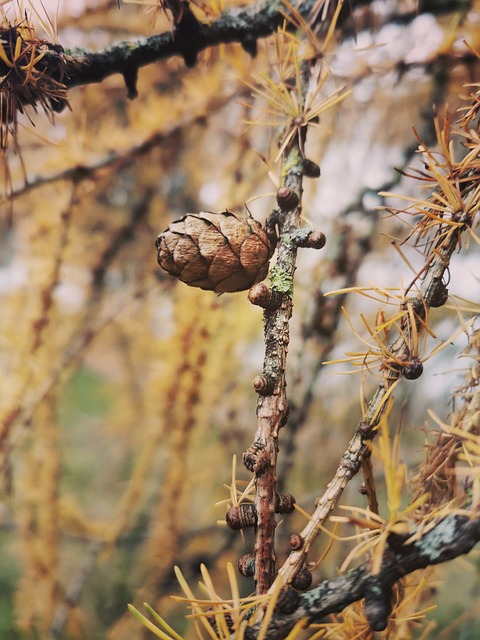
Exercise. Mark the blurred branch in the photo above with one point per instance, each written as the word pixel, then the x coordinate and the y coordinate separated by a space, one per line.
pixel 190 36
pixel 118 160
pixel 74 590
pixel 22 410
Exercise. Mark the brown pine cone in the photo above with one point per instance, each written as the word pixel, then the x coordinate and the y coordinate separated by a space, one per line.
pixel 215 251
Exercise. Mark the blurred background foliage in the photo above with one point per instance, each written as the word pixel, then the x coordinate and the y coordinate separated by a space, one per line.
pixel 125 394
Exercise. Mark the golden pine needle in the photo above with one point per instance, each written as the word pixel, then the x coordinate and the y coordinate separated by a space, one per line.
pixel 150 626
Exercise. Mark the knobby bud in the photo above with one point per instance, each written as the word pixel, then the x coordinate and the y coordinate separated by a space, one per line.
pixel 256 458
pixel 220 252
pixel 246 565
pixel 263 385
pixel 439 295
pixel 241 516
pixel 284 503
pixel 296 541
pixel 302 580
pixel 287 199
pixel 413 370
pixel 311 169
pixel 265 297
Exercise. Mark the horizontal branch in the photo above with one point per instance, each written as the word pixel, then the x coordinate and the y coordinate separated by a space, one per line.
pixel 451 537
pixel 244 25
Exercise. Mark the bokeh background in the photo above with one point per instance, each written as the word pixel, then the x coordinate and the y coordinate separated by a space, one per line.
pixel 125 394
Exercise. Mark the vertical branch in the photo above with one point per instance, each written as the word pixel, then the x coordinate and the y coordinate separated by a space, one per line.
pixel 38 523
pixel 272 405
pixel 42 318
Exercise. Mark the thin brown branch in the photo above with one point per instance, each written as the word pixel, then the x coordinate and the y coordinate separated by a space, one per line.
pixel 74 590
pixel 272 405
pixel 272 408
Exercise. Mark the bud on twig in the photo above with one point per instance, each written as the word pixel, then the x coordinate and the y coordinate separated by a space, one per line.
pixel 241 516
pixel 311 169
pixel 296 541
pixel 302 580
pixel 256 458
pixel 262 296
pixel 365 429
pixel 314 240
pixel 287 199
pixel 439 295
pixel 263 385
pixel 413 370
pixel 284 503
pixel 246 565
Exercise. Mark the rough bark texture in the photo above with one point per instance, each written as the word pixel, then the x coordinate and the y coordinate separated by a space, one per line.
pixel 272 407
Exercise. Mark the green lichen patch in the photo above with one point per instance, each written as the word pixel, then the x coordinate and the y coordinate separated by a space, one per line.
pixel 281 280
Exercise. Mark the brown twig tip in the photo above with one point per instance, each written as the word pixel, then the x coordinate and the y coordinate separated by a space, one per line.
pixel 130 75
pixel 263 385
pixel 296 541
pixel 262 296
pixel 311 169
pixel 302 580
pixel 284 503
pixel 287 199
pixel 241 516
pixel 249 44
pixel 246 565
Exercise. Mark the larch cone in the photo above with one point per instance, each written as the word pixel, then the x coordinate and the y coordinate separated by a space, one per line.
pixel 221 252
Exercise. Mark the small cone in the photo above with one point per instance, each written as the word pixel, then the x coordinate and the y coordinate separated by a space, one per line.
pixel 219 252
